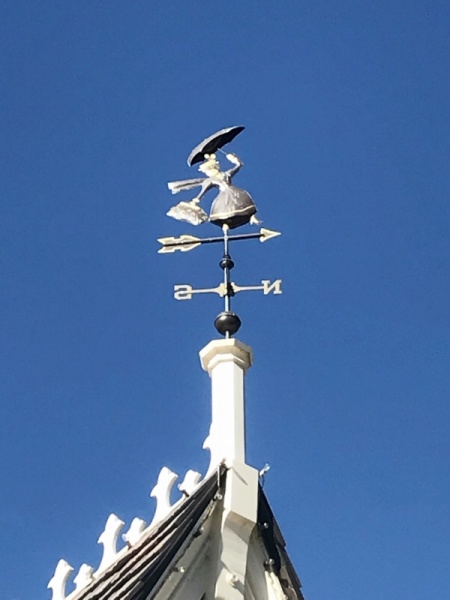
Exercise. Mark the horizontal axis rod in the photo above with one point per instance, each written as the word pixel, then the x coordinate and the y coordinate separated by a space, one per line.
pixel 214 240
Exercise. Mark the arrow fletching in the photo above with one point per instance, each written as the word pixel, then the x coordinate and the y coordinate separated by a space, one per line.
pixel 184 243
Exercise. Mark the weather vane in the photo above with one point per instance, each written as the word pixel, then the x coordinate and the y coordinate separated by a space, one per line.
pixel 231 208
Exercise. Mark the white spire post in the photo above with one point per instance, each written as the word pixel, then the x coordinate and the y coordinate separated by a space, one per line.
pixel 226 361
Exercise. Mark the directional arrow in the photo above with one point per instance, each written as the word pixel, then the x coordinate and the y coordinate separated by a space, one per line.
pixel 187 242
pixel 185 291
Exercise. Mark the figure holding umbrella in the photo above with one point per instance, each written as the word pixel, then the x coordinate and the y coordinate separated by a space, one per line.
pixel 233 206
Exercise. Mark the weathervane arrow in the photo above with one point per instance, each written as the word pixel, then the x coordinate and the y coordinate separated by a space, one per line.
pixel 184 291
pixel 187 242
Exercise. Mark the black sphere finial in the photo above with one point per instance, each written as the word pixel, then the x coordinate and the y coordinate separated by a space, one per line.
pixel 227 323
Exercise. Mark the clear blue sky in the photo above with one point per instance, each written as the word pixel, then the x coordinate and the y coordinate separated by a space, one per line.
pixel 347 107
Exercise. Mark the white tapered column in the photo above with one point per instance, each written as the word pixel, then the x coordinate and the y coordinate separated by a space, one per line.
pixel 226 361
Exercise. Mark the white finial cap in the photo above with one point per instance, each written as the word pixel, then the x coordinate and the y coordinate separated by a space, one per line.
pixel 226 350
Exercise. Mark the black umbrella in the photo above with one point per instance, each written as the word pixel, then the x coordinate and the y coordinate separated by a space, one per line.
pixel 213 143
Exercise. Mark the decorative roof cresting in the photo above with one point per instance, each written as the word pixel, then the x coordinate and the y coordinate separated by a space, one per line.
pixel 109 538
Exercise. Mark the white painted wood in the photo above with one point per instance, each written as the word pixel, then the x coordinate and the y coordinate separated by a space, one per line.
pixel 161 492
pixel 109 541
pixel 226 361
pixel 190 482
pixel 261 582
pixel 215 451
pixel 226 559
pixel 240 509
pixel 193 573
pixel 59 580
pixel 134 533
pixel 84 577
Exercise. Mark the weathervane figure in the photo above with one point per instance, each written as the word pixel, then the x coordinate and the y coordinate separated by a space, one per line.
pixel 233 206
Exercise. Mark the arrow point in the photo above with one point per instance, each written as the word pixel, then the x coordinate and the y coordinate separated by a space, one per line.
pixel 267 234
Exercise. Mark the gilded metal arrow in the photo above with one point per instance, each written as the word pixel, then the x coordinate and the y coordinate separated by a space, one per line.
pixel 187 242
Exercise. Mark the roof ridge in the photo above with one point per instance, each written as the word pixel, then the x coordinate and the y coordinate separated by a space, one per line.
pixel 138 531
